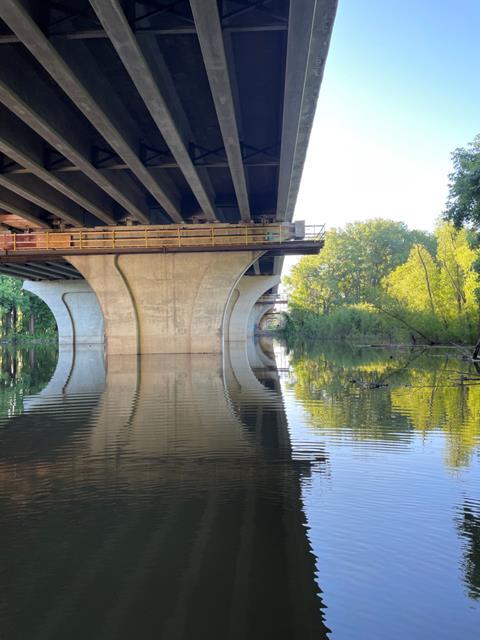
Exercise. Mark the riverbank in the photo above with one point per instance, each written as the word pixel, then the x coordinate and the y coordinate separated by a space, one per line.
pixel 26 340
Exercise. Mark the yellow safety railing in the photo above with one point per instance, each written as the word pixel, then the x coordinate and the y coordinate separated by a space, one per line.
pixel 153 237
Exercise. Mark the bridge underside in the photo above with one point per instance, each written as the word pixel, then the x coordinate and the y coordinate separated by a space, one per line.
pixel 156 112
pixel 130 114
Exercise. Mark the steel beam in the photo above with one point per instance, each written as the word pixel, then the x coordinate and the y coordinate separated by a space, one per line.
pixel 36 103
pixel 86 88
pixel 121 166
pixel 209 30
pixel 13 203
pixel 310 27
pixel 148 72
pixel 21 271
pixel 100 34
pixel 21 144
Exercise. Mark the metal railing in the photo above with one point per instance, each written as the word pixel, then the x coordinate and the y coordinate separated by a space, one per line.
pixel 314 232
pixel 161 237
pixel 273 298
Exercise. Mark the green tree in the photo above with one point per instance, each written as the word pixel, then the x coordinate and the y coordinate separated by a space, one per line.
pixel 437 296
pixel 463 204
pixel 379 278
pixel 330 294
pixel 21 312
pixel 352 261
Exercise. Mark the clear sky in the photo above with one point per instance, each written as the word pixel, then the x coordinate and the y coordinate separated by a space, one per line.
pixel 401 91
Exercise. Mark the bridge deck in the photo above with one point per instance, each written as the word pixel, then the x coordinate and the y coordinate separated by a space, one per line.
pixel 176 113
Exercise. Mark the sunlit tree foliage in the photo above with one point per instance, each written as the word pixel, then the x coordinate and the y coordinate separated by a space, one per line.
pixel 463 205
pixel 379 278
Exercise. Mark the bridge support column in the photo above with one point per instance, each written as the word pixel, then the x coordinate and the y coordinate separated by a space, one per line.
pixel 242 303
pixel 164 302
pixel 260 309
pixel 75 308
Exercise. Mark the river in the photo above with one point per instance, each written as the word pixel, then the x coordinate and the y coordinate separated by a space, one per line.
pixel 323 491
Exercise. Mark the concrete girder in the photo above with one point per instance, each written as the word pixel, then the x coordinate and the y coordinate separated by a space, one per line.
pixel 164 303
pixel 42 270
pixel 309 29
pixel 19 271
pixel 38 105
pixel 75 308
pixel 278 264
pixel 49 271
pixel 246 293
pixel 209 31
pixel 37 272
pixel 13 203
pixel 31 188
pixel 21 144
pixel 63 268
pixel 148 72
pixel 86 88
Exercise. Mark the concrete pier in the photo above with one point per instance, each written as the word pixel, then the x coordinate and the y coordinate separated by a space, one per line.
pixel 260 309
pixel 75 308
pixel 165 303
pixel 242 302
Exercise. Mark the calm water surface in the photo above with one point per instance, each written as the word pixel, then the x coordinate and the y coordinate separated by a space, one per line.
pixel 327 493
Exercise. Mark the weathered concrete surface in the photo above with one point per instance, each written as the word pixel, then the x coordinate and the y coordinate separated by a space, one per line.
pixel 247 291
pixel 164 303
pixel 75 308
pixel 260 309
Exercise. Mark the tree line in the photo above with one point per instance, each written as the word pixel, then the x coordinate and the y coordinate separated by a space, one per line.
pixel 379 278
pixel 22 313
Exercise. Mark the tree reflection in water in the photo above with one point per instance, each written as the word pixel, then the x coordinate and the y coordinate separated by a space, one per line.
pixel 389 394
pixel 23 371
pixel 468 523
pixel 393 396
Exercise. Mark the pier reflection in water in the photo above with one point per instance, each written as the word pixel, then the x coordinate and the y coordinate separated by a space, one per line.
pixel 168 497
pixel 155 497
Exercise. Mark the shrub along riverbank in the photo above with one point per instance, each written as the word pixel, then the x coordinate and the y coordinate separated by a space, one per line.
pixel 378 278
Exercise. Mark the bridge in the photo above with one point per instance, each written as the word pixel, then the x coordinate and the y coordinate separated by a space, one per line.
pixel 150 159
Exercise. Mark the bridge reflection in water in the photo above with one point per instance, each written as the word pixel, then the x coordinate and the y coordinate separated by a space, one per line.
pixel 156 497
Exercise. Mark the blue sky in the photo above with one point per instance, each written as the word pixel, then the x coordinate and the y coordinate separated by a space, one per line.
pixel 401 91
